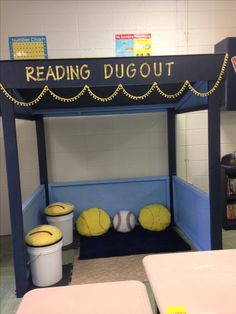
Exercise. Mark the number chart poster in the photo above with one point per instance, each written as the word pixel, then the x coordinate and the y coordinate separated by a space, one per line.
pixel 128 45
pixel 28 47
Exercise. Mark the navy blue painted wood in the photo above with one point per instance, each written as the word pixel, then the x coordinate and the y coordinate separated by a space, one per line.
pixel 215 101
pixel 108 110
pixel 190 101
pixel 14 192
pixel 192 109
pixel 42 155
pixel 171 155
pixel 186 67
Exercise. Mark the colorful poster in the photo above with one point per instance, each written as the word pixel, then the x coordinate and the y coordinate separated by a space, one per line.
pixel 142 45
pixel 128 45
pixel 28 47
pixel 124 45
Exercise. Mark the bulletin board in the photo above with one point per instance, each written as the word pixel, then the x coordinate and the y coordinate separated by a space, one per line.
pixel 28 47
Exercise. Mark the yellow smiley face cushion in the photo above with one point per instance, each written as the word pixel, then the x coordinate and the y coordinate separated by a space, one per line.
pixel 93 222
pixel 59 209
pixel 43 235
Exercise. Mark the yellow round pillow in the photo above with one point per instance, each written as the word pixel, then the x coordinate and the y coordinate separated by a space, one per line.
pixel 154 217
pixel 93 222
pixel 59 209
pixel 43 235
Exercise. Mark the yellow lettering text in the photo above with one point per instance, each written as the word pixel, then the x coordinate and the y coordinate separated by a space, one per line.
pixel 108 71
pixel 60 72
pixel 131 71
pixel 159 73
pixel 29 74
pixel 143 65
pixel 121 74
pixel 74 73
pixel 50 73
pixel 169 64
pixel 84 72
pixel 40 73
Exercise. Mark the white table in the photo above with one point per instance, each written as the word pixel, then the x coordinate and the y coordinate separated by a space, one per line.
pixel 203 282
pixel 101 298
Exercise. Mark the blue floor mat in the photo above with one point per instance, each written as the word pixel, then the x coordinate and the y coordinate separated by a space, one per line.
pixel 137 241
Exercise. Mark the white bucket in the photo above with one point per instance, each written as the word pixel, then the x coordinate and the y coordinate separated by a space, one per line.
pixel 46 264
pixel 65 224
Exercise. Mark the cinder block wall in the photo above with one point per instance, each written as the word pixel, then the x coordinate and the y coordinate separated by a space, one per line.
pixel 117 146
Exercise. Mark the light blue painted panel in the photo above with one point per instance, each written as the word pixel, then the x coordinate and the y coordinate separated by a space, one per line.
pixel 192 213
pixel 112 195
pixel 33 209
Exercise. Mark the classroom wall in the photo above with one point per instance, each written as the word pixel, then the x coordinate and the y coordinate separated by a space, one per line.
pixel 105 147
pixel 192 145
pixel 192 148
pixel 29 172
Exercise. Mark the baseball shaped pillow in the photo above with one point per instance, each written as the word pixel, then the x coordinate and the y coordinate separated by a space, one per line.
pixel 124 221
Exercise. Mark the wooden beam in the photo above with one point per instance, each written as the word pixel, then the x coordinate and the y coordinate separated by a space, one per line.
pixel 14 194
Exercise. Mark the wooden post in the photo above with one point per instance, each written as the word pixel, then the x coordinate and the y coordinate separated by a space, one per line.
pixel 171 155
pixel 42 155
pixel 214 104
pixel 14 194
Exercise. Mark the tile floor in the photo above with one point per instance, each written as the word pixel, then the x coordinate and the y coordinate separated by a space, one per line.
pixel 9 303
